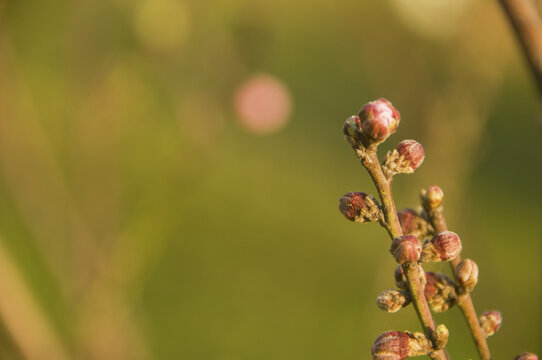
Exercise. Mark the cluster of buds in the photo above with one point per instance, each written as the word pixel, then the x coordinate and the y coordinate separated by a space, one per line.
pixel 490 322
pixel 376 121
pixel 360 207
pixel 445 246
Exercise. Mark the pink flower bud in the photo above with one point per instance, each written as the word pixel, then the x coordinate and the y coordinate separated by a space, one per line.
pixel 443 247
pixel 526 356
pixel 391 345
pixel 379 120
pixel 400 279
pixel 434 196
pixel 412 223
pixel 466 274
pixel 439 292
pixel 406 249
pixel 359 207
pixel 490 322
pixel 392 300
pixel 412 152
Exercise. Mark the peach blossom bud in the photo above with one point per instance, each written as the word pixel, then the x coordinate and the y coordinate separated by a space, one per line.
pixel 434 196
pixel 412 223
pixel 391 345
pixel 439 292
pixel 412 152
pixel 379 119
pixel 392 300
pixel 526 356
pixel 443 247
pixel 490 322
pixel 359 207
pixel 466 274
pixel 440 336
pixel 400 279
pixel 406 249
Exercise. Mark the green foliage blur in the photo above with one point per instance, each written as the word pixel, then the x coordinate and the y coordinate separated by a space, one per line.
pixel 142 217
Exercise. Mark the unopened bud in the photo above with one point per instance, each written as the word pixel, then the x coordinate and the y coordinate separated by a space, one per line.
pixel 352 130
pixel 439 292
pixel 466 274
pixel 526 356
pixel 392 300
pixel 433 196
pixel 412 223
pixel 359 207
pixel 440 336
pixel 397 345
pixel 400 279
pixel 379 119
pixel 406 249
pixel 490 322
pixel 412 153
pixel 443 247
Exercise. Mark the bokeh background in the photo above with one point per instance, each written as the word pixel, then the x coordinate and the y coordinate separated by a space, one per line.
pixel 170 169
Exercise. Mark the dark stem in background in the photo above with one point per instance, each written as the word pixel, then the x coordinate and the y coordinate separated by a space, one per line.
pixel 528 27
pixel 464 301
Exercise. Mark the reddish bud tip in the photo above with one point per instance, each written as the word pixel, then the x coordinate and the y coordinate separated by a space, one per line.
pixel 490 322
pixel 466 274
pixel 412 152
pixel 391 345
pixel 434 196
pixel 406 249
pixel 351 204
pixel 443 247
pixel 379 120
pixel 526 356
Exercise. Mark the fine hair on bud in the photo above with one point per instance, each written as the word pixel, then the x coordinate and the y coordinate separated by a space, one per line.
pixel 466 274
pixel 444 246
pixel 526 356
pixel 379 119
pixel 392 300
pixel 391 345
pixel 412 153
pixel 359 207
pixel 406 249
pixel 490 322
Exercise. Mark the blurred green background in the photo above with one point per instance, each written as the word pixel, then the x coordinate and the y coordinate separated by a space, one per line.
pixel 170 169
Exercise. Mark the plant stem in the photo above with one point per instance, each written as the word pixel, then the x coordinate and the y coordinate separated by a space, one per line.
pixel 525 19
pixel 413 272
pixel 436 217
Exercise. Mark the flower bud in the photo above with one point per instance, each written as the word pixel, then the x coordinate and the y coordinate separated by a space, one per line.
pixel 433 196
pixel 412 153
pixel 466 274
pixel 526 356
pixel 397 345
pixel 359 207
pixel 440 336
pixel 352 130
pixel 443 247
pixel 406 249
pixel 400 279
pixel 391 345
pixel 490 322
pixel 379 119
pixel 439 292
pixel 412 223
pixel 392 300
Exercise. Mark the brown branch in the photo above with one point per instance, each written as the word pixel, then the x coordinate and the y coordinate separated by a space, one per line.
pixel 525 19
pixel 413 272
pixel 436 217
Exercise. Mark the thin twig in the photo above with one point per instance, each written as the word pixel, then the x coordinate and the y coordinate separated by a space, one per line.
pixel 436 217
pixel 412 272
pixel 527 24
